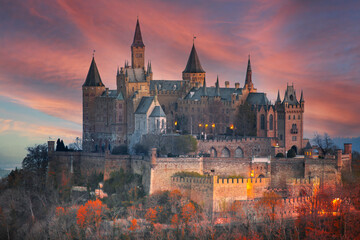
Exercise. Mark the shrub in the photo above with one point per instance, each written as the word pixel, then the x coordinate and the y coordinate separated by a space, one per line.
pixel 187 174
pixel 121 150
pixel 280 155
pixel 291 153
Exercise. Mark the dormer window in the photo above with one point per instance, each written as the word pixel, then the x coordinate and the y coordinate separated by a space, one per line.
pixel 291 97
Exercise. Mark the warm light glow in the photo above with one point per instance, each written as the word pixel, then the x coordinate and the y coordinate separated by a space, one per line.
pixel 213 125
pixel 252 174
pixel 175 123
pixel 200 125
pixel 206 125
pixel 231 126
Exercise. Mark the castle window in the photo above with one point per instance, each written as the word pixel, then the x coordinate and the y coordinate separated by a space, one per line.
pixel 294 129
pixel 262 121
pixel 157 124
pixel 225 153
pixel 213 152
pixel 280 136
pixel 294 138
pixel 239 153
pixel 289 117
pixel 271 122
pixel 120 105
pixel 294 117
pixel 299 117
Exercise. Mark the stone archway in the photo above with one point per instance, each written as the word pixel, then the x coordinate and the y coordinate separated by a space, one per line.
pixel 225 152
pixel 239 153
pixel 295 149
pixel 261 176
pixel 213 152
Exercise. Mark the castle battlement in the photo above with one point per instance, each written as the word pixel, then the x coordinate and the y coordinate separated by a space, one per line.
pixel 237 139
pixel 201 180
pixel 294 181
pixel 223 181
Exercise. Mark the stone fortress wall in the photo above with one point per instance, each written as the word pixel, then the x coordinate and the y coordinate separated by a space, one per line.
pixel 250 177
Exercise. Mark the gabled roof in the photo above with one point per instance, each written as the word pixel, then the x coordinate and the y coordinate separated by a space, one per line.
pixel 135 74
pixel 113 94
pixel 193 65
pixel 257 99
pixel 225 93
pixel 144 105
pixel 157 112
pixel 137 42
pixel 93 77
pixel 166 85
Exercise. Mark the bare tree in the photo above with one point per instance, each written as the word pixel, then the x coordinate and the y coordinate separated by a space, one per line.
pixel 325 143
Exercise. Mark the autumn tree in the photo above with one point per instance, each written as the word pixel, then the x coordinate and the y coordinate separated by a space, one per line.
pixel 245 121
pixel 91 214
pixel 325 143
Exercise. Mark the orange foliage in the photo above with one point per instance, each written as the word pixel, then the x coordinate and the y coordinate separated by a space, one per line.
pixel 60 211
pixel 151 215
pixel 187 212
pixel 90 213
pixel 133 225
pixel 175 220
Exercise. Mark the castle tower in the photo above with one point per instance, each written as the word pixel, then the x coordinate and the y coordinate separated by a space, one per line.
pixel 193 72
pixel 248 79
pixel 137 49
pixel 290 120
pixel 92 88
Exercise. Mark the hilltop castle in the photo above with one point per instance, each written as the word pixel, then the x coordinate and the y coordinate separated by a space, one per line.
pixel 233 165
pixel 141 105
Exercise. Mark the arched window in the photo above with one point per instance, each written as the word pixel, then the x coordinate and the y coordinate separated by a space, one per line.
pixel 271 122
pixel 225 153
pixel 162 123
pixel 239 153
pixel 157 124
pixel 213 152
pixel 262 121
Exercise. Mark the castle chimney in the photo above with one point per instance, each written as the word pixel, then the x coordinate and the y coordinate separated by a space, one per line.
pixel 339 157
pixel 347 148
pixel 51 146
pixel 227 84
pixel 153 157
pixel 237 85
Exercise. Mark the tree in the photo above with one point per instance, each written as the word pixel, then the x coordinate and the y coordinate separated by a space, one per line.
pixel 245 122
pixel 36 162
pixel 325 143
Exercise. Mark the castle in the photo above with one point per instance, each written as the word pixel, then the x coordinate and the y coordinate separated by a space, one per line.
pixel 234 165
pixel 141 105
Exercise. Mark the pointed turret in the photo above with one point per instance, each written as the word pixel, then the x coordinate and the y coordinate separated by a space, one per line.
pixel 278 100
pixel 301 97
pixel 137 42
pixel 248 79
pixel 193 65
pixel 204 91
pixel 93 77
pixel 217 92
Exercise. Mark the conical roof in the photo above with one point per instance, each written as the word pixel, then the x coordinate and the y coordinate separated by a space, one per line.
pixel 248 73
pixel 217 85
pixel 93 77
pixel 193 65
pixel 137 42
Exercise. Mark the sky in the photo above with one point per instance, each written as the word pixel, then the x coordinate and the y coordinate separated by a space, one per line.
pixel 46 49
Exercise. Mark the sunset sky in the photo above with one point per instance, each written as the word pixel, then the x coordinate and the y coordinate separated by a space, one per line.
pixel 46 49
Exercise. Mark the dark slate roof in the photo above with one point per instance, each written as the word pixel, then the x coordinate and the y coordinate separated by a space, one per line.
pixel 225 93
pixel 136 74
pixel 113 94
pixel 193 65
pixel 166 85
pixel 157 112
pixel 257 99
pixel 137 42
pixel 144 105
pixel 93 77
pixel 308 146
pixel 290 93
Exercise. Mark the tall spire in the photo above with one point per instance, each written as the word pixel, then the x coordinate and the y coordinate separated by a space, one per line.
pixel 93 77
pixel 301 97
pixel 278 97
pixel 137 42
pixel 217 86
pixel 204 91
pixel 248 79
pixel 193 65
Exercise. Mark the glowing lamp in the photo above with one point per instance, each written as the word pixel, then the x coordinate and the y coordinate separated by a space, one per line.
pixel 175 123
pixel 231 126
pixel 213 125
pixel 206 125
